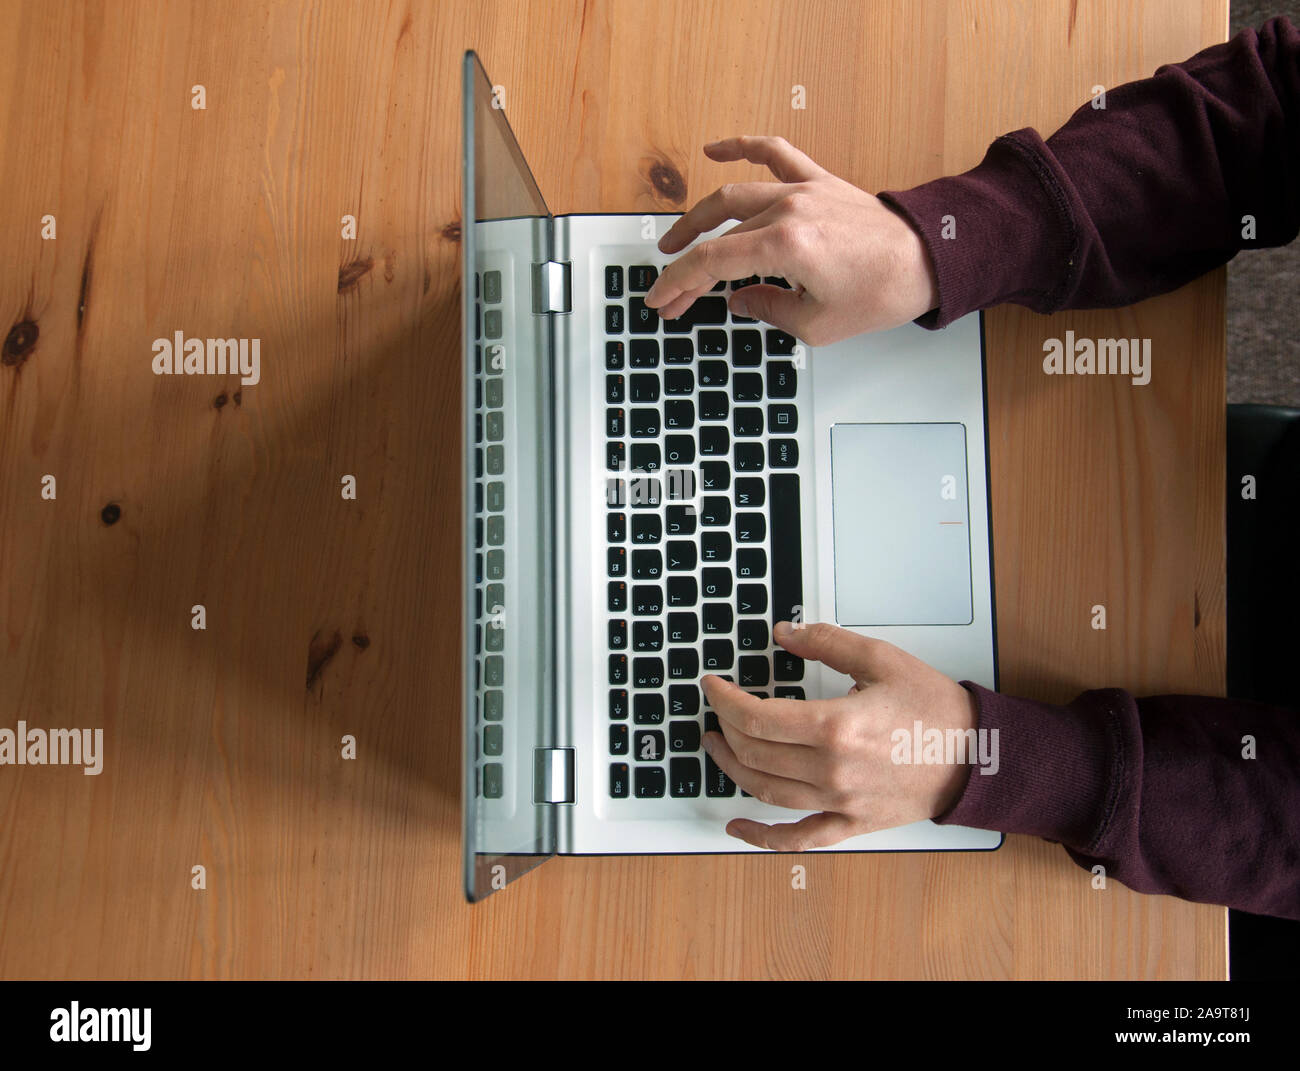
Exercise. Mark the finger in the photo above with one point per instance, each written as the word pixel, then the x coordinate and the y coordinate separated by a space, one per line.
pixel 780 157
pixel 739 201
pixel 786 721
pixel 765 787
pixel 743 251
pixel 797 762
pixel 862 658
pixel 815 831
pixel 793 311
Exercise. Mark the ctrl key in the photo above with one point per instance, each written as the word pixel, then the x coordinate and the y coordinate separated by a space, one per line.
pixel 618 780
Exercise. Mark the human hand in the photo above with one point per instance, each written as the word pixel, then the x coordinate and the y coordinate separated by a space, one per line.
pixel 833 755
pixel 854 263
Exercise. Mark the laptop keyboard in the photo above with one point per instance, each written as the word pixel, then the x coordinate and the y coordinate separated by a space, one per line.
pixel 702 526
pixel 489 536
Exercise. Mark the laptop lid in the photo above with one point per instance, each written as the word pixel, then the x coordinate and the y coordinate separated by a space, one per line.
pixel 508 679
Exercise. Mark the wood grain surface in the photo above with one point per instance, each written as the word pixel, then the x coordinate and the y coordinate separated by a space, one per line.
pixel 328 617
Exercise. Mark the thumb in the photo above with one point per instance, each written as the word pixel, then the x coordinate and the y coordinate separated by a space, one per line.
pixel 789 310
pixel 862 658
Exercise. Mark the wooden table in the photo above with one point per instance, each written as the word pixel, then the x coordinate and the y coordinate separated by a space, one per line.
pixel 327 617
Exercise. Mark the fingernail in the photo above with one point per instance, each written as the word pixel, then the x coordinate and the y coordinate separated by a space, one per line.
pixel 740 305
pixel 707 744
pixel 782 629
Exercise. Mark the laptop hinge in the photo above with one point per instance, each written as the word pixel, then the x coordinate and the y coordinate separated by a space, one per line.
pixel 553 775
pixel 552 287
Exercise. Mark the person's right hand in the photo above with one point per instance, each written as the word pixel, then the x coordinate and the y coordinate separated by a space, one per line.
pixel 854 263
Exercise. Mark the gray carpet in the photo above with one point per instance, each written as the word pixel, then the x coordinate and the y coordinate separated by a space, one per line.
pixel 1263 285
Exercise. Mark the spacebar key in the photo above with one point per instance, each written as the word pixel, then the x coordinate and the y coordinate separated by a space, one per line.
pixel 787 555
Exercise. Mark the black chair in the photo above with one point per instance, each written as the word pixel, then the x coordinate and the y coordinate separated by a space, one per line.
pixel 1263 538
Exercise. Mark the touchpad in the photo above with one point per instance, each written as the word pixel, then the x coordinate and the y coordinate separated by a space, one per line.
pixel 902 531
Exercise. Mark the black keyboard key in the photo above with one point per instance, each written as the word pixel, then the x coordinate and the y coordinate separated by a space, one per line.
pixel 716 783
pixel 649 744
pixel 713 373
pixel 782 453
pixel 614 456
pixel 647 672
pixel 749 457
pixel 679 381
pixel 613 356
pixel 714 475
pixel 647 636
pixel 680 484
pixel 715 441
pixel 618 634
pixel 683 735
pixel 614 422
pixel 647 565
pixel 787 557
pixel 683 700
pixel 678 351
pixel 641 318
pixel 747 348
pixel 647 528
pixel 618 740
pixel 751 563
pixel 714 405
pixel 782 381
pixel 645 423
pixel 617 669
pixel 684 777
pixel 705 310
pixel 681 520
pixel 718 655
pixel 779 344
pixel 683 592
pixel 716 617
pixel 683 627
pixel 644 353
pixel 683 664
pixel 772 280
pixel 617 597
pixel 751 528
pixel 645 388
pixel 641 277
pixel 751 635
pixel 751 599
pixel 715 546
pixel 614 389
pixel 616 558
pixel 740 284
pixel 647 600
pixel 746 422
pixel 613 281
pixel 613 319
pixel 782 419
pixel 789 693
pixel 752 671
pixel 786 667
pixel 650 782
pixel 618 786
pixel 679 449
pixel 646 458
pixel 751 492
pixel 618 704
pixel 679 414
pixel 713 343
pixel 715 511
pixel 648 709
pixel 716 583
pixel 747 387
pixel 681 555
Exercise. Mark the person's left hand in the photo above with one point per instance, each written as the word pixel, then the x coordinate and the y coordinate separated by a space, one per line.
pixel 833 755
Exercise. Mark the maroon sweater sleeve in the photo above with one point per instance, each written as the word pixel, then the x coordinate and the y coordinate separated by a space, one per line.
pixel 1166 793
pixel 1127 201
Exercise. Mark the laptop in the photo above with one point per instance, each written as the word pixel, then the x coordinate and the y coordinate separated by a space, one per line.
pixel 643 499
